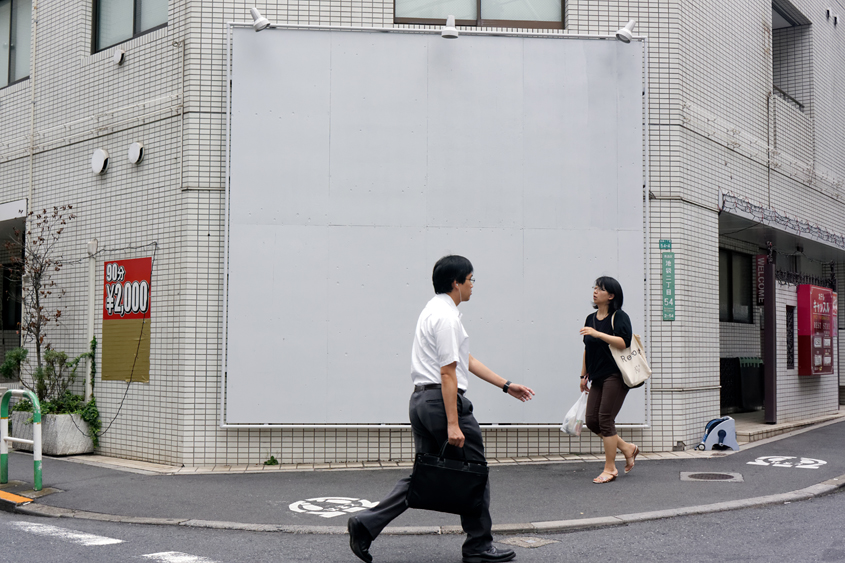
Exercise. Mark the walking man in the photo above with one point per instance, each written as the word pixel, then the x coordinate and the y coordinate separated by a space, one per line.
pixel 439 410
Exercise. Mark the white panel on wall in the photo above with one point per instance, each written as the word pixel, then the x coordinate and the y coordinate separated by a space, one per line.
pixel 358 159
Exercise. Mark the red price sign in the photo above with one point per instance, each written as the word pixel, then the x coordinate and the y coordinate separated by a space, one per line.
pixel 817 312
pixel 126 291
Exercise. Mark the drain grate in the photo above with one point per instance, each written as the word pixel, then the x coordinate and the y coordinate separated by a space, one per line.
pixel 723 477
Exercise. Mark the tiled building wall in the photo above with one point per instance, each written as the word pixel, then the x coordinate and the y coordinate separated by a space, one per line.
pixel 800 396
pixel 82 102
pixel 708 122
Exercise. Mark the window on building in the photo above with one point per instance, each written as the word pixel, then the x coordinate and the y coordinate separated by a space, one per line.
pixel 15 35
pixel 491 13
pixel 10 301
pixel 735 287
pixel 790 337
pixel 116 21
pixel 792 55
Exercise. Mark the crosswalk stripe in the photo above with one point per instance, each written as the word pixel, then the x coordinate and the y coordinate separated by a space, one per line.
pixel 176 557
pixel 69 535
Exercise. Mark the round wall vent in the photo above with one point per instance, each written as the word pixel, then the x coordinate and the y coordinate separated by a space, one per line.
pixel 119 56
pixel 100 161
pixel 136 153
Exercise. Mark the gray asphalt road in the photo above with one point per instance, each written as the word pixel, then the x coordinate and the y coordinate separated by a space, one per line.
pixel 809 531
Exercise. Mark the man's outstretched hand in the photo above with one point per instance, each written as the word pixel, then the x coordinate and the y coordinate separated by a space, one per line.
pixel 520 392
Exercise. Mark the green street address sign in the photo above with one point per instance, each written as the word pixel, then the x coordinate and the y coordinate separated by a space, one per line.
pixel 667 268
pixel 665 244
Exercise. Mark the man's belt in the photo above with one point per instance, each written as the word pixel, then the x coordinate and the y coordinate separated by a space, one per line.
pixel 429 386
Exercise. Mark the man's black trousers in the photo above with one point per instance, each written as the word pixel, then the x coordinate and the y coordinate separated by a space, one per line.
pixel 428 421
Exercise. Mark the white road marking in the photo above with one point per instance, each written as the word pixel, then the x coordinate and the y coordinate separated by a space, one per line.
pixel 784 461
pixel 330 507
pixel 68 535
pixel 176 557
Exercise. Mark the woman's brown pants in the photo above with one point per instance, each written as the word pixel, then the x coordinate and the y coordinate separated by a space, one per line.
pixel 603 404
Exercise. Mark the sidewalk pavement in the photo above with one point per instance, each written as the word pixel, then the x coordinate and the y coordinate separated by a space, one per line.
pixel 527 496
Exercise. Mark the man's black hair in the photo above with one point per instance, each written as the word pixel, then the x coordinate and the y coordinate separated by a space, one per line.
pixel 613 287
pixel 448 269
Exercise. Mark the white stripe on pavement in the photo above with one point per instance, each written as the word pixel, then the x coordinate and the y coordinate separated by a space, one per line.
pixel 177 557
pixel 69 535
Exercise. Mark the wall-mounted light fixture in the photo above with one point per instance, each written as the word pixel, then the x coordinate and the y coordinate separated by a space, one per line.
pixel 626 33
pixel 259 22
pixel 136 153
pixel 100 161
pixel 119 56
pixel 449 30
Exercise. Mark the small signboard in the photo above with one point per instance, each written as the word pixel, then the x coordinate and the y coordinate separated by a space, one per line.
pixel 126 320
pixel 760 277
pixel 817 312
pixel 665 244
pixel 667 270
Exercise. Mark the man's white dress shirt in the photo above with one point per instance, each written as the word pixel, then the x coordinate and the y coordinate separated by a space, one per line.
pixel 439 340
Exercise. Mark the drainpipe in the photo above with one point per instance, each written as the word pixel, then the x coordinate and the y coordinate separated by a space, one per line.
pixel 92 311
pixel 32 101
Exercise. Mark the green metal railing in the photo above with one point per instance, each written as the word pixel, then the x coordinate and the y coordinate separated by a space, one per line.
pixel 5 438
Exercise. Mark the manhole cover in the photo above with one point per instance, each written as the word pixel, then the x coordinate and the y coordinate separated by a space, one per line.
pixel 527 542
pixel 724 477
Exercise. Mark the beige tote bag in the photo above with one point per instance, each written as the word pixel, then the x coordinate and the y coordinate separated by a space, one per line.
pixel 631 361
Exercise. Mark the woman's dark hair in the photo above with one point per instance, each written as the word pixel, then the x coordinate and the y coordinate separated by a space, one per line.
pixel 448 269
pixel 611 286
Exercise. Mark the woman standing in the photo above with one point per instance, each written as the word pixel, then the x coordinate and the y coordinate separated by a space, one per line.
pixel 608 326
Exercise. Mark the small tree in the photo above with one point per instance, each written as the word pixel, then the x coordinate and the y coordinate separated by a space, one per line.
pixel 36 262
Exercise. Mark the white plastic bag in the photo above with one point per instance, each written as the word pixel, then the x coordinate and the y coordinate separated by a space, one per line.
pixel 574 419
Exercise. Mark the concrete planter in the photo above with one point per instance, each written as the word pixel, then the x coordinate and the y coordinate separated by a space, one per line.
pixel 60 433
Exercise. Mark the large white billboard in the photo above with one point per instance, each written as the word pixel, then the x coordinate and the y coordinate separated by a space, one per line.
pixel 357 159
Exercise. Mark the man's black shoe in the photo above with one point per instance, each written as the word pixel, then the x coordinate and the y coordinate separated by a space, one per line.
pixel 492 555
pixel 360 540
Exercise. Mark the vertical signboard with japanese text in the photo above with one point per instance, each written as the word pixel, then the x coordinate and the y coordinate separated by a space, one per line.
pixel 126 320
pixel 817 312
pixel 668 273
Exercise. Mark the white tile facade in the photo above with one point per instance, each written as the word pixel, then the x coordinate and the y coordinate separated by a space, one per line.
pixel 711 118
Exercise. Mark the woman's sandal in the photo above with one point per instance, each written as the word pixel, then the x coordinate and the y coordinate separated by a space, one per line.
pixel 601 479
pixel 630 461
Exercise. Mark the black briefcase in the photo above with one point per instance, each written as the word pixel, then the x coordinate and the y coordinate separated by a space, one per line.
pixel 447 485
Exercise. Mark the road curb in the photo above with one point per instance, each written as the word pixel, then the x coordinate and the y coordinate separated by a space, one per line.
pixel 547 526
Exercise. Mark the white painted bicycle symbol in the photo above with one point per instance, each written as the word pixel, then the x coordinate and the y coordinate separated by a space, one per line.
pixel 783 461
pixel 329 507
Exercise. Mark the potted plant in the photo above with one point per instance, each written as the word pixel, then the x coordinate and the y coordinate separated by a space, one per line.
pixel 69 424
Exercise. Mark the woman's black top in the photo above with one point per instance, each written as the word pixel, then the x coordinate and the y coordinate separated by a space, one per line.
pixel 600 363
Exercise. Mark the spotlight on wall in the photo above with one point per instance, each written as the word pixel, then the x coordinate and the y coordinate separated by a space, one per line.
pixel 625 34
pixel 259 22
pixel 100 161
pixel 449 30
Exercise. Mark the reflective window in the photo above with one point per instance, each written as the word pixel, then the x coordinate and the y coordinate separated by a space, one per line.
pixel 120 20
pixel 15 39
pixel 735 287
pixel 490 13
